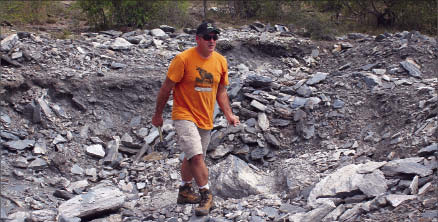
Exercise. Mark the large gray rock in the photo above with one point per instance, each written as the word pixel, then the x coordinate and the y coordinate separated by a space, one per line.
pixel 233 178
pixel 346 180
pixel 100 198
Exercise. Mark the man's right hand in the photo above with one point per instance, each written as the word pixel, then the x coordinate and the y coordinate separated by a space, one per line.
pixel 157 120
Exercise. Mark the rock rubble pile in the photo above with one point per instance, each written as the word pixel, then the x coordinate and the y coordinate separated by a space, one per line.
pixel 342 130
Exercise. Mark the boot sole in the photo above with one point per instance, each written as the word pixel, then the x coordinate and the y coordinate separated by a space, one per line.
pixel 203 213
pixel 181 201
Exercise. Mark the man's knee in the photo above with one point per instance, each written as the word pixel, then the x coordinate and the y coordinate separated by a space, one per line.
pixel 196 158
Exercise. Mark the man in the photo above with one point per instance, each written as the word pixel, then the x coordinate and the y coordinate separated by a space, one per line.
pixel 198 77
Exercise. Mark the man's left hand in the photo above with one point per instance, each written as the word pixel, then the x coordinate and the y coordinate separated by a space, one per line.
pixel 234 120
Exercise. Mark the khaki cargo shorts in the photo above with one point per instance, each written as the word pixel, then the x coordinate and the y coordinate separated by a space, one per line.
pixel 191 139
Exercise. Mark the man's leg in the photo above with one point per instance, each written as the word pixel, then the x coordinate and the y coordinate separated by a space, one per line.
pixel 201 171
pixel 190 143
pixel 198 170
pixel 186 174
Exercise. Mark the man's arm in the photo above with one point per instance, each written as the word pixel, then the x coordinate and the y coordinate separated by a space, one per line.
pixel 224 104
pixel 162 97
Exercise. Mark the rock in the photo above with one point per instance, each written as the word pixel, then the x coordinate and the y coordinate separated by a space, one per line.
pixel 37 164
pixel 116 65
pixel 299 102
pixel 258 81
pixel 424 189
pixel 8 43
pixel 167 28
pixel 235 179
pixel 304 91
pixel 429 150
pixel 291 209
pixel 63 194
pixel 111 33
pixel 413 187
pixel 317 214
pixel 317 78
pixel 334 214
pixel 280 122
pixel 220 151
pixel 256 104
pixel 120 44
pixel 43 215
pixel 19 144
pixel 397 199
pixel 270 212
pixel 77 170
pixel 40 147
pixel 158 33
pixel 271 139
pixel 346 180
pixel 306 129
pixel 258 153
pixel 351 213
pixel 98 199
pixel 355 36
pixel 411 68
pixel 59 139
pixel 152 136
pixel 216 139
pixel 112 157
pixel 369 167
pixel 262 121
pixel 95 150
pixel 242 68
pixel 406 166
pixel 337 104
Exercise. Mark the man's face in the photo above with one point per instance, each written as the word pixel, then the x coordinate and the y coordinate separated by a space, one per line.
pixel 207 43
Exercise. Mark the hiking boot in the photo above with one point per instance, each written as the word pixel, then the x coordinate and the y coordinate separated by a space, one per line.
pixel 206 203
pixel 186 195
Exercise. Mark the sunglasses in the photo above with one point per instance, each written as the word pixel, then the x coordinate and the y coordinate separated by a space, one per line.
pixel 208 37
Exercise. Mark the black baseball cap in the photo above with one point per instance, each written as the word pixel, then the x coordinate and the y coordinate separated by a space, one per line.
pixel 206 28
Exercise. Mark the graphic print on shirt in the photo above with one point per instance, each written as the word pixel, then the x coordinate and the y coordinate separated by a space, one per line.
pixel 205 83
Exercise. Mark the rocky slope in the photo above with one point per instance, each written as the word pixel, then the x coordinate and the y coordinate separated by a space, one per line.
pixel 344 130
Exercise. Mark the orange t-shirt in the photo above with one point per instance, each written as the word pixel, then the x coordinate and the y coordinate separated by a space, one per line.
pixel 197 80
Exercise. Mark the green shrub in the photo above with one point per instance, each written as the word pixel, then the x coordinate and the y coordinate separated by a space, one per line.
pixel 104 14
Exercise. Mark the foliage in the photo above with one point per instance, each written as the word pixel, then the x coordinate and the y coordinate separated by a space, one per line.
pixel 134 13
pixel 401 14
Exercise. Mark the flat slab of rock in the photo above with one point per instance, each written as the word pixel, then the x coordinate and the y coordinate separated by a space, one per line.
pixel 19 144
pixel 99 199
pixel 428 150
pixel 406 166
pixel 397 199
